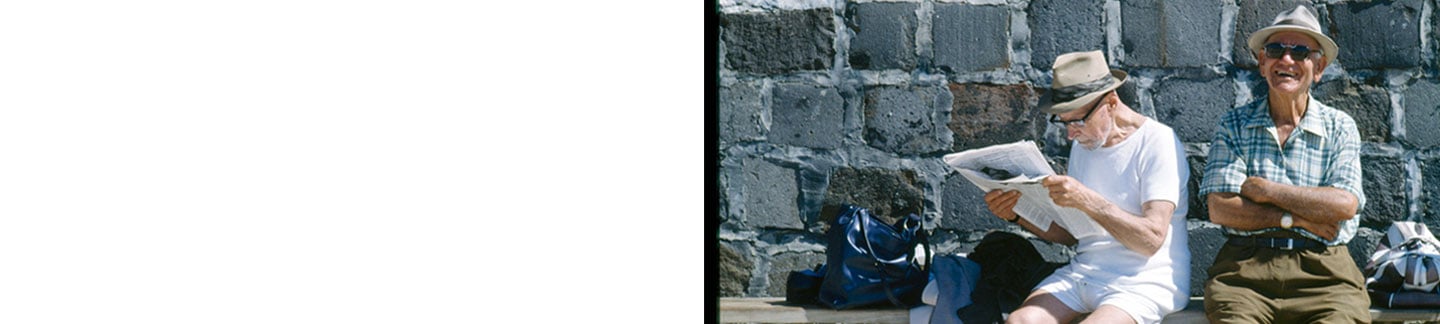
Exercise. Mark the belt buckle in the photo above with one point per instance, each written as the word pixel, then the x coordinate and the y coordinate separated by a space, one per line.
pixel 1289 245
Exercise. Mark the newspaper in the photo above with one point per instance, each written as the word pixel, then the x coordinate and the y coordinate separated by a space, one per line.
pixel 1019 166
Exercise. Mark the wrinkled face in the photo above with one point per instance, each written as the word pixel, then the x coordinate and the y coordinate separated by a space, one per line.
pixel 1285 74
pixel 1095 125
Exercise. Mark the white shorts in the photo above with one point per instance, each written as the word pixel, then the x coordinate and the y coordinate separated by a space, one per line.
pixel 1085 297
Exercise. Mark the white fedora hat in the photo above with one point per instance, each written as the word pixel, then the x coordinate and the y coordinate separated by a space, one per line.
pixel 1300 20
pixel 1080 78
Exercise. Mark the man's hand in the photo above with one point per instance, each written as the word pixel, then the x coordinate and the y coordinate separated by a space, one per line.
pixel 1002 203
pixel 1327 231
pixel 1068 192
pixel 1254 189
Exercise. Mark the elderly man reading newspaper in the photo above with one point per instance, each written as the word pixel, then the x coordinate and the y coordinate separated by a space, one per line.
pixel 1122 206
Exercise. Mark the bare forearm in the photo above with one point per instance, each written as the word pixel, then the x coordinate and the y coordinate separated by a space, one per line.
pixel 1326 205
pixel 1318 204
pixel 1234 211
pixel 1143 234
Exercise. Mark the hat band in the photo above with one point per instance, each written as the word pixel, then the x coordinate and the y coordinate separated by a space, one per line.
pixel 1071 92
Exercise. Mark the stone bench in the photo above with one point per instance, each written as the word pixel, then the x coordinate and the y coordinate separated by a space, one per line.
pixel 775 310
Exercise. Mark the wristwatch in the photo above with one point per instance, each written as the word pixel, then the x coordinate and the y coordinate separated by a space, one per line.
pixel 1286 220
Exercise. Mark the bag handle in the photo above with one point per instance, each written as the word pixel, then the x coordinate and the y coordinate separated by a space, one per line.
pixel 865 222
pixel 865 219
pixel 1408 247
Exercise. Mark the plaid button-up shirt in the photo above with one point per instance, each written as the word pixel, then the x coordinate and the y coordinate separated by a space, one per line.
pixel 1324 151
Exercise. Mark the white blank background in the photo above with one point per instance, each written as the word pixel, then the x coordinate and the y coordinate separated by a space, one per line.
pixel 309 161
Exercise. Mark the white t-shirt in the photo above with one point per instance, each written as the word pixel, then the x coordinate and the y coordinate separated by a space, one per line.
pixel 1148 165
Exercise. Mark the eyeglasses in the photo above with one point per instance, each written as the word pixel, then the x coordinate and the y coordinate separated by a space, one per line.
pixel 1079 122
pixel 1297 52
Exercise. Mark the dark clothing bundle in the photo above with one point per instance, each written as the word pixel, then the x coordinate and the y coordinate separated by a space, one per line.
pixel 1010 267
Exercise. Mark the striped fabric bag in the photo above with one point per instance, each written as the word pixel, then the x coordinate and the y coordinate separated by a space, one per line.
pixel 1405 268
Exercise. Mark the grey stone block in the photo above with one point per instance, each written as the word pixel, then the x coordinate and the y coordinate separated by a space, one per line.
pixel 1129 93
pixel 984 115
pixel 782 264
pixel 1368 105
pixel 970 38
pixel 743 116
pixel 1064 26
pixel 779 42
pixel 771 194
pixel 1385 200
pixel 907 120
pixel 1422 114
pixel 889 194
pixel 1193 107
pixel 1378 34
pixel 1252 16
pixel 1205 243
pixel 1430 192
pixel 1364 243
pixel 1198 210
pixel 734 271
pixel 807 115
pixel 814 182
pixel 964 206
pixel 1162 33
pixel 884 35
pixel 1143 33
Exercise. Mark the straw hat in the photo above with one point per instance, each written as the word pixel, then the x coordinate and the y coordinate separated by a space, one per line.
pixel 1080 78
pixel 1300 20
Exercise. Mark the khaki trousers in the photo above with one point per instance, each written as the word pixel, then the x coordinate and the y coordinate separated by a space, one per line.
pixel 1270 285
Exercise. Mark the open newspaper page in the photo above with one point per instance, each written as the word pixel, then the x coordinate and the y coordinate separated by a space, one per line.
pixel 1020 166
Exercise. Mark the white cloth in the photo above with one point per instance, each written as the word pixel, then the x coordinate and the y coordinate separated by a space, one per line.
pixel 1148 165
pixel 921 314
pixel 931 294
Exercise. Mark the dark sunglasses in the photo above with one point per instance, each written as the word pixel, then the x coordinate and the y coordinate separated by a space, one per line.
pixel 1079 122
pixel 1297 52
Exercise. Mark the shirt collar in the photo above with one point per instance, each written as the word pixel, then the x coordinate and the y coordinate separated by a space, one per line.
pixel 1311 123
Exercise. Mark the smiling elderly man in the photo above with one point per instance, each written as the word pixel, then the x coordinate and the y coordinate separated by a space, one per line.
pixel 1283 178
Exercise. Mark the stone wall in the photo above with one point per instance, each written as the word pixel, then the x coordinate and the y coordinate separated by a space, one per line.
pixel 824 102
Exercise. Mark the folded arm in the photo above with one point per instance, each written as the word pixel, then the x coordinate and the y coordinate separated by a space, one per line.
pixel 1261 203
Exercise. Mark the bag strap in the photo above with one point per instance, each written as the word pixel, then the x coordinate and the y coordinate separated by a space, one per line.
pixel 1415 242
pixel 1408 247
pixel 865 222
pixel 920 235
